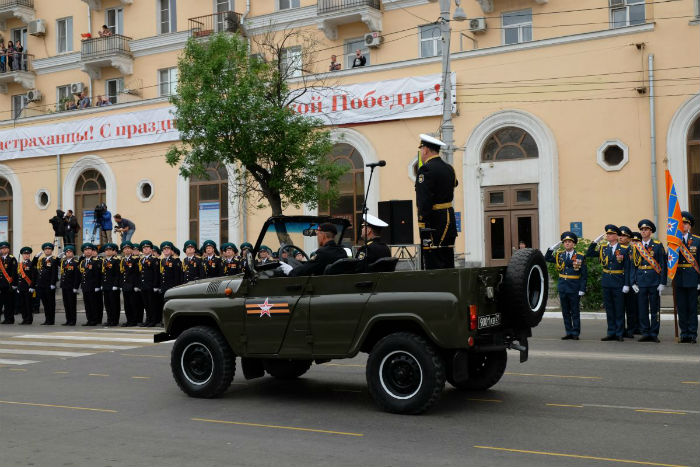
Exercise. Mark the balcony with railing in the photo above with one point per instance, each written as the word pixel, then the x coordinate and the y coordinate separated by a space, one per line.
pixel 225 21
pixel 332 13
pixel 22 9
pixel 106 51
pixel 97 4
pixel 487 6
pixel 16 67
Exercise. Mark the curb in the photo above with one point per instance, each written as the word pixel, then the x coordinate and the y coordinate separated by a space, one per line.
pixel 596 315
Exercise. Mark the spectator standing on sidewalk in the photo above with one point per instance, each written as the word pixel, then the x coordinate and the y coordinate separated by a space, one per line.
pixel 72 228
pixel 125 227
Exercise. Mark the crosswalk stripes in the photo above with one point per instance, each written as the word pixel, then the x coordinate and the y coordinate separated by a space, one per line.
pixel 26 349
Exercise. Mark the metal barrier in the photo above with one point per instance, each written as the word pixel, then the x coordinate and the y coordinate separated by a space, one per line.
pixel 334 6
pixel 226 21
pixel 105 46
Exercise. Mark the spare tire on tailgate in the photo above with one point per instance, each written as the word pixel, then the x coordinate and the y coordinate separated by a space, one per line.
pixel 525 287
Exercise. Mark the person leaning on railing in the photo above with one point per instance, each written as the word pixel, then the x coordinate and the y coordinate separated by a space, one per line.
pixel 3 58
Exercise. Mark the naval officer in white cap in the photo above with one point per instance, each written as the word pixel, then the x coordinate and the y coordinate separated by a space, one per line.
pixel 374 249
pixel 435 186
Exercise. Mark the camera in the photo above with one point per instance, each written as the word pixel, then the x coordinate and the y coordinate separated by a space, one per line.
pixel 99 211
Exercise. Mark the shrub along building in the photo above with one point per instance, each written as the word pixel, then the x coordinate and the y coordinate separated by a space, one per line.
pixel 562 113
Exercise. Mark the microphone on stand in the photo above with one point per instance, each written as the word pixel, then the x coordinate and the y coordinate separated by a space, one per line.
pixel 376 164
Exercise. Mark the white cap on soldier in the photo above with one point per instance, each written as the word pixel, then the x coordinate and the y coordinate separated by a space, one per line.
pixel 431 140
pixel 375 221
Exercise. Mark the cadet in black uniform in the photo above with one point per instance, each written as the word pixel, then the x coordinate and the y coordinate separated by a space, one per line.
pixel 231 264
pixel 211 261
pixel 687 282
pixel 374 249
pixel 69 281
pixel 191 263
pixel 435 184
pixel 91 284
pixel 111 281
pixel 129 269
pixel 631 308
pixel 47 276
pixel 26 281
pixel 170 274
pixel 8 283
pixel 150 282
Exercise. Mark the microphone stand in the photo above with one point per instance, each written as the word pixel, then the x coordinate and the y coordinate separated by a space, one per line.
pixel 364 215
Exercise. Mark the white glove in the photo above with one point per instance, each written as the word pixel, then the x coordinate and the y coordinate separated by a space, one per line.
pixel 698 286
pixel 286 269
pixel 599 238
pixel 136 289
pixel 635 287
pixel 97 289
pixel 625 288
pixel 53 287
pixel 31 290
pixel 581 293
pixel 555 246
pixel 115 288
pixel 156 290
pixel 14 287
pixel 75 291
pixel 37 255
pixel 660 288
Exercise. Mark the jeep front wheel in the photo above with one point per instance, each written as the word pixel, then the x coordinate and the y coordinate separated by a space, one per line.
pixel 202 362
pixel 287 369
pixel 405 374
pixel 485 369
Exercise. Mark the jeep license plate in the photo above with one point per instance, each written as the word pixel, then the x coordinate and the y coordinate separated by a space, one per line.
pixel 489 321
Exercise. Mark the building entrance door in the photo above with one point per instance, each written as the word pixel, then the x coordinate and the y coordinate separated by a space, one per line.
pixel 510 217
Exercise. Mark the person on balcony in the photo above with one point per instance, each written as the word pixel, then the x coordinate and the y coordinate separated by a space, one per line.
pixel 19 52
pixel 9 53
pixel 83 101
pixel 105 32
pixel 3 58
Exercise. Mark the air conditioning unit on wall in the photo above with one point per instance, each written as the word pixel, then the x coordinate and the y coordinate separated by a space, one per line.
pixel 37 27
pixel 477 24
pixel 33 95
pixel 76 88
pixel 373 39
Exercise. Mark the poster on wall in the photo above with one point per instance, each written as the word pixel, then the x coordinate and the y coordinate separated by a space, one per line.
pixel 209 221
pixel 90 235
pixel 4 229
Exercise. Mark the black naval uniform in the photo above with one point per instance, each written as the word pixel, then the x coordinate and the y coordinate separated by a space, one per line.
pixel 26 281
pixel 131 280
pixel 91 285
pixel 170 276
pixel 231 267
pixel 150 285
pixel 8 280
pixel 47 276
pixel 111 280
pixel 435 184
pixel 192 268
pixel 69 281
pixel 374 250
pixel 212 266
pixel 686 282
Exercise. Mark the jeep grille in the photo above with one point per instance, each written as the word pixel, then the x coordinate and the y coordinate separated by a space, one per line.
pixel 213 287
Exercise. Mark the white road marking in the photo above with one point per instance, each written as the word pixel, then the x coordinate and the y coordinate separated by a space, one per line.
pixel 603 406
pixel 616 356
pixel 53 353
pixel 85 338
pixel 5 361
pixel 72 345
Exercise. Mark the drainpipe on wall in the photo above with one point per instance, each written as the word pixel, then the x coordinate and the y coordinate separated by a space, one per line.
pixel 652 118
pixel 244 205
pixel 58 182
pixel 90 32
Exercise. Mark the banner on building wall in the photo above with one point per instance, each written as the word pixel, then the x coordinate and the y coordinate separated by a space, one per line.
pixel 4 229
pixel 92 134
pixel 209 221
pixel 90 234
pixel 412 97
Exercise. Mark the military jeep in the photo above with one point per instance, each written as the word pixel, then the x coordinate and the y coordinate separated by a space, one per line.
pixel 420 328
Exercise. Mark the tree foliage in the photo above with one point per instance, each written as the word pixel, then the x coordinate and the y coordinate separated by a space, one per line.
pixel 593 300
pixel 232 108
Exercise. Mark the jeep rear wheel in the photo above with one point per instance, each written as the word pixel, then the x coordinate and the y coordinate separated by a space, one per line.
pixel 287 369
pixel 202 362
pixel 525 288
pixel 405 374
pixel 485 370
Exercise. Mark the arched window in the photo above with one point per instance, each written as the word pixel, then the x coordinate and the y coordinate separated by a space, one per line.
pixel 209 206
pixel 350 189
pixel 90 190
pixel 694 168
pixel 5 210
pixel 509 143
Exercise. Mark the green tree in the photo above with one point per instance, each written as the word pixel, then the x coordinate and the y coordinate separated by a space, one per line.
pixel 233 108
pixel 593 300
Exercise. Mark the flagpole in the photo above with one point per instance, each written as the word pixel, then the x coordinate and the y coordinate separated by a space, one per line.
pixel 675 310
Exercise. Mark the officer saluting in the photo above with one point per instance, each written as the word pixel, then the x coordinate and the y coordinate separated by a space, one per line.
pixel 435 184
pixel 573 275
pixel 649 280
pixel 687 282
pixel 375 248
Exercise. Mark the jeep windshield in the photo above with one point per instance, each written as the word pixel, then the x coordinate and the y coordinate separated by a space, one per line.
pixel 299 231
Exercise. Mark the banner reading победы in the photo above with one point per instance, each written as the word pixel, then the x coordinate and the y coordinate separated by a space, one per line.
pixel 90 134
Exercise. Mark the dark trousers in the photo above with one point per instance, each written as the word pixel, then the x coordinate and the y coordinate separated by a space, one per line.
pixel 571 312
pixel 7 305
pixel 649 306
pixel 150 302
pixel 93 306
pixel 439 258
pixel 138 307
pixel 687 307
pixel 112 305
pixel 130 306
pixel 70 304
pixel 631 313
pixel 24 299
pixel 69 238
pixel 48 301
pixel 614 302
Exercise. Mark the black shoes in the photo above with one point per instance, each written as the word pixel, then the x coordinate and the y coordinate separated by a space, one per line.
pixel 620 338
pixel 684 340
pixel 47 323
pixel 609 338
pixel 645 339
pixel 7 322
pixel 566 337
pixel 26 323
pixel 70 323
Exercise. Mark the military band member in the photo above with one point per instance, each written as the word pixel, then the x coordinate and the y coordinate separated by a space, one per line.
pixel 375 248
pixel 129 269
pixel 91 284
pixel 111 282
pixel 149 268
pixel 211 261
pixel 191 264
pixel 648 280
pixel 687 282
pixel 231 264
pixel 47 276
pixel 8 283
pixel 170 274
pixel 615 280
pixel 435 185
pixel 573 276
pixel 26 281
pixel 69 282
pixel 631 308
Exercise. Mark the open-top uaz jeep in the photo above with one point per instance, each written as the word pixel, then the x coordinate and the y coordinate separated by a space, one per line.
pixel 420 328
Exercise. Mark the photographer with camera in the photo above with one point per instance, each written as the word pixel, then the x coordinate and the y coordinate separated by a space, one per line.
pixel 125 227
pixel 103 221
pixel 59 229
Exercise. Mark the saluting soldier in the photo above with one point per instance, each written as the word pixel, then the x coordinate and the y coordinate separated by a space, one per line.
pixel 231 263
pixel 129 269
pixel 375 248
pixel 170 274
pixel 111 273
pixel 47 276
pixel 150 282
pixel 192 269
pixel 26 281
pixel 649 280
pixel 573 277
pixel 211 261
pixel 631 307
pixel 91 284
pixel 615 280
pixel 687 282
pixel 69 282
pixel 435 186
pixel 264 255
pixel 8 283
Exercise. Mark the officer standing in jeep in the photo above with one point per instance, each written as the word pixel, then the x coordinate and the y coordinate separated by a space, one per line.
pixel 435 186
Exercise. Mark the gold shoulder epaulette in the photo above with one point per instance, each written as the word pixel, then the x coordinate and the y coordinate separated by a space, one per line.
pixel 656 241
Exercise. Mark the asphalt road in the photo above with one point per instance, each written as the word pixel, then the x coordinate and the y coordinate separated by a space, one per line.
pixel 107 398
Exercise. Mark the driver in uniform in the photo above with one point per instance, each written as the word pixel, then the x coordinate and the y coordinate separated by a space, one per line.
pixel 327 253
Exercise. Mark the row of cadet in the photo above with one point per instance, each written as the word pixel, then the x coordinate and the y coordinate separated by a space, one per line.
pixel 139 273
pixel 633 278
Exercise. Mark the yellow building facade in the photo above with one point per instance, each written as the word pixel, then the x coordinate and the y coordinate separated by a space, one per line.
pixel 564 111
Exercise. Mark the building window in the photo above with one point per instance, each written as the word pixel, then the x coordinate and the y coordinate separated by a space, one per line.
pixel 693 169
pixel 90 190
pixel 167 81
pixel 509 143
pixel 19 35
pixel 626 13
pixel 144 190
pixel 351 46
pixel 19 102
pixel 430 41
pixel 64 35
pixel 5 211
pixel 288 4
pixel 42 198
pixel 63 97
pixel 114 19
pixel 113 87
pixel 612 155
pixel 209 197
pixel 517 26
pixel 291 62
pixel 167 19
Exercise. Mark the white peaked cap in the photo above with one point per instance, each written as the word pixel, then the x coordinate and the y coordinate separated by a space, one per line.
pixel 431 140
pixel 375 221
